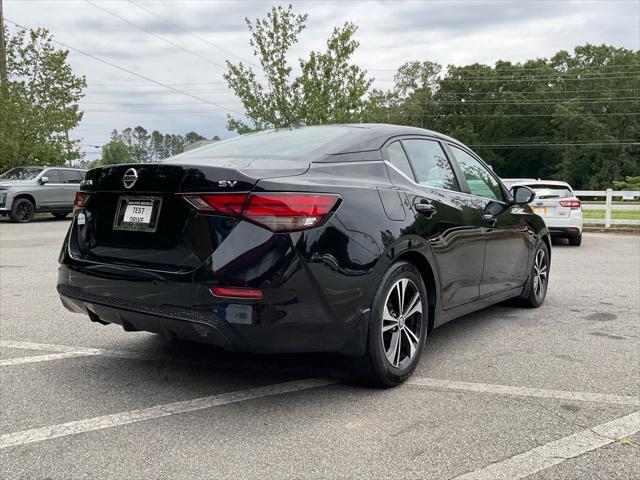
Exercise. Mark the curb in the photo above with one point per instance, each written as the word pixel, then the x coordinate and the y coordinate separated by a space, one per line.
pixel 626 230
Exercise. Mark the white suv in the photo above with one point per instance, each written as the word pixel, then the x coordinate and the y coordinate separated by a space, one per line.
pixel 556 203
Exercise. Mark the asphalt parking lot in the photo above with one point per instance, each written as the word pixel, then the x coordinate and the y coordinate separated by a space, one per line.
pixel 507 393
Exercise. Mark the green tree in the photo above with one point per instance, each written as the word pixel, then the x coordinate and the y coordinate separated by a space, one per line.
pixel 572 117
pixel 38 102
pixel 629 183
pixel 114 152
pixel 329 89
pixel 192 137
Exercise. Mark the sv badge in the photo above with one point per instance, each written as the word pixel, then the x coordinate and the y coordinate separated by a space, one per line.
pixel 227 183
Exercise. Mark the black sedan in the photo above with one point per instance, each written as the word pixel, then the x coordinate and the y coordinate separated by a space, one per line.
pixel 357 239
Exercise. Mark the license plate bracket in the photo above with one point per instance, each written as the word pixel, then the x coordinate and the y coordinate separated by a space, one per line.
pixel 137 214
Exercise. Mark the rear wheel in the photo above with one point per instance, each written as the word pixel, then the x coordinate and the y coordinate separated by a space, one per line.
pixel 60 215
pixel 397 327
pixel 536 288
pixel 575 241
pixel 22 211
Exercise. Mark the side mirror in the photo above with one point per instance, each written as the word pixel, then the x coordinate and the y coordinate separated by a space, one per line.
pixel 522 194
pixel 44 180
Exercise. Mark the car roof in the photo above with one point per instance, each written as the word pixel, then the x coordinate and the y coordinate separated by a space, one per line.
pixel 558 183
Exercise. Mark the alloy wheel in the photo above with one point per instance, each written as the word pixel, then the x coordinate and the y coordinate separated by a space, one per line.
pixel 402 323
pixel 540 276
pixel 24 211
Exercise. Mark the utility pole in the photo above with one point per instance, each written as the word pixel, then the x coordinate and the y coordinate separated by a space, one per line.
pixel 3 52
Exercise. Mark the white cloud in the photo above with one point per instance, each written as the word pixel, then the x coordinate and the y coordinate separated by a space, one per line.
pixel 390 33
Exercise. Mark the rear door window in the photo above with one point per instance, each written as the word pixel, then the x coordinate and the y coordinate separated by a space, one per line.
pixel 399 159
pixel 430 164
pixel 71 176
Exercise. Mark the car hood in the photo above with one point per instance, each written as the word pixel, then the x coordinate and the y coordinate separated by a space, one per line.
pixel 15 183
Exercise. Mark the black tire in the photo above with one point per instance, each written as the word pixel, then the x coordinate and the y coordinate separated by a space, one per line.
pixel 376 368
pixel 22 211
pixel 575 241
pixel 535 290
pixel 60 215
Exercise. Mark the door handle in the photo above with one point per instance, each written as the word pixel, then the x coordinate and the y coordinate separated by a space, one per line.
pixel 490 219
pixel 425 209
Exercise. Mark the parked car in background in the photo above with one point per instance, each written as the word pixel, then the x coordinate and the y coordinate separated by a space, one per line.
pixel 351 238
pixel 509 182
pixel 27 190
pixel 558 205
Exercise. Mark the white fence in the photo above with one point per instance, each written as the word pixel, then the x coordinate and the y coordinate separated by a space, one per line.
pixel 608 206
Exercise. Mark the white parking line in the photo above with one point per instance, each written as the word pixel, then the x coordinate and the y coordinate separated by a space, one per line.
pixel 165 410
pixel 553 453
pixel 45 358
pixel 48 347
pixel 524 391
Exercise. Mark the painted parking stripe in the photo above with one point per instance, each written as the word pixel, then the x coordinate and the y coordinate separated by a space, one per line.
pixel 158 411
pixel 40 346
pixel 524 391
pixel 556 452
pixel 6 362
pixel 48 347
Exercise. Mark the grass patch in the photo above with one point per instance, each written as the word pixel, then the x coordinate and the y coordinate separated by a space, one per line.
pixel 615 214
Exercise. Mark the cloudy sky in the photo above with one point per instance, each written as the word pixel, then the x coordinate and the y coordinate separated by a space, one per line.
pixel 184 44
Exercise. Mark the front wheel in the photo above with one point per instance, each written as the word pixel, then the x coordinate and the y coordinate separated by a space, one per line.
pixel 397 327
pixel 536 288
pixel 22 211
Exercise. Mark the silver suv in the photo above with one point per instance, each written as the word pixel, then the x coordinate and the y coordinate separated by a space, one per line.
pixel 27 190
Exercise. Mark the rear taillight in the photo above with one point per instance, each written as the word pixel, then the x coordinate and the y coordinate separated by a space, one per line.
pixel 225 203
pixel 279 212
pixel 81 200
pixel 286 212
pixel 572 204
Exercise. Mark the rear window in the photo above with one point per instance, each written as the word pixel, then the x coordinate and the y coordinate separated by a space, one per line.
pixel 551 191
pixel 292 142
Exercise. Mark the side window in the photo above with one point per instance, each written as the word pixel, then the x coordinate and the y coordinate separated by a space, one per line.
pixel 430 163
pixel 399 160
pixel 479 179
pixel 71 176
pixel 53 175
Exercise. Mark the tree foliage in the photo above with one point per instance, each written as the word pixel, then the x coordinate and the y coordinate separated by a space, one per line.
pixel 572 117
pixel 38 102
pixel 137 145
pixel 329 89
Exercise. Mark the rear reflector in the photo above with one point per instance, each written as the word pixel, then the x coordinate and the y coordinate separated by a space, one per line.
pixel 279 212
pixel 572 204
pixel 80 200
pixel 232 292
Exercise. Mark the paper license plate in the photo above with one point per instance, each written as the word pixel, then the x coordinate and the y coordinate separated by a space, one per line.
pixel 137 214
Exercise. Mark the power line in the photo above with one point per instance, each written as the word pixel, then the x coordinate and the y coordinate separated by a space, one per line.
pixel 131 72
pixel 189 32
pixel 526 69
pixel 191 52
pixel 550 75
pixel 459 115
pixel 557 145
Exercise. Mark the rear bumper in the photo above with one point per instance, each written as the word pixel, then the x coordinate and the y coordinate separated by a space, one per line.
pixel 189 311
pixel 565 231
pixel 568 226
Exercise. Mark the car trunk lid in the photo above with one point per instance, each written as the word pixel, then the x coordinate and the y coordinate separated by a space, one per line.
pixel 179 239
